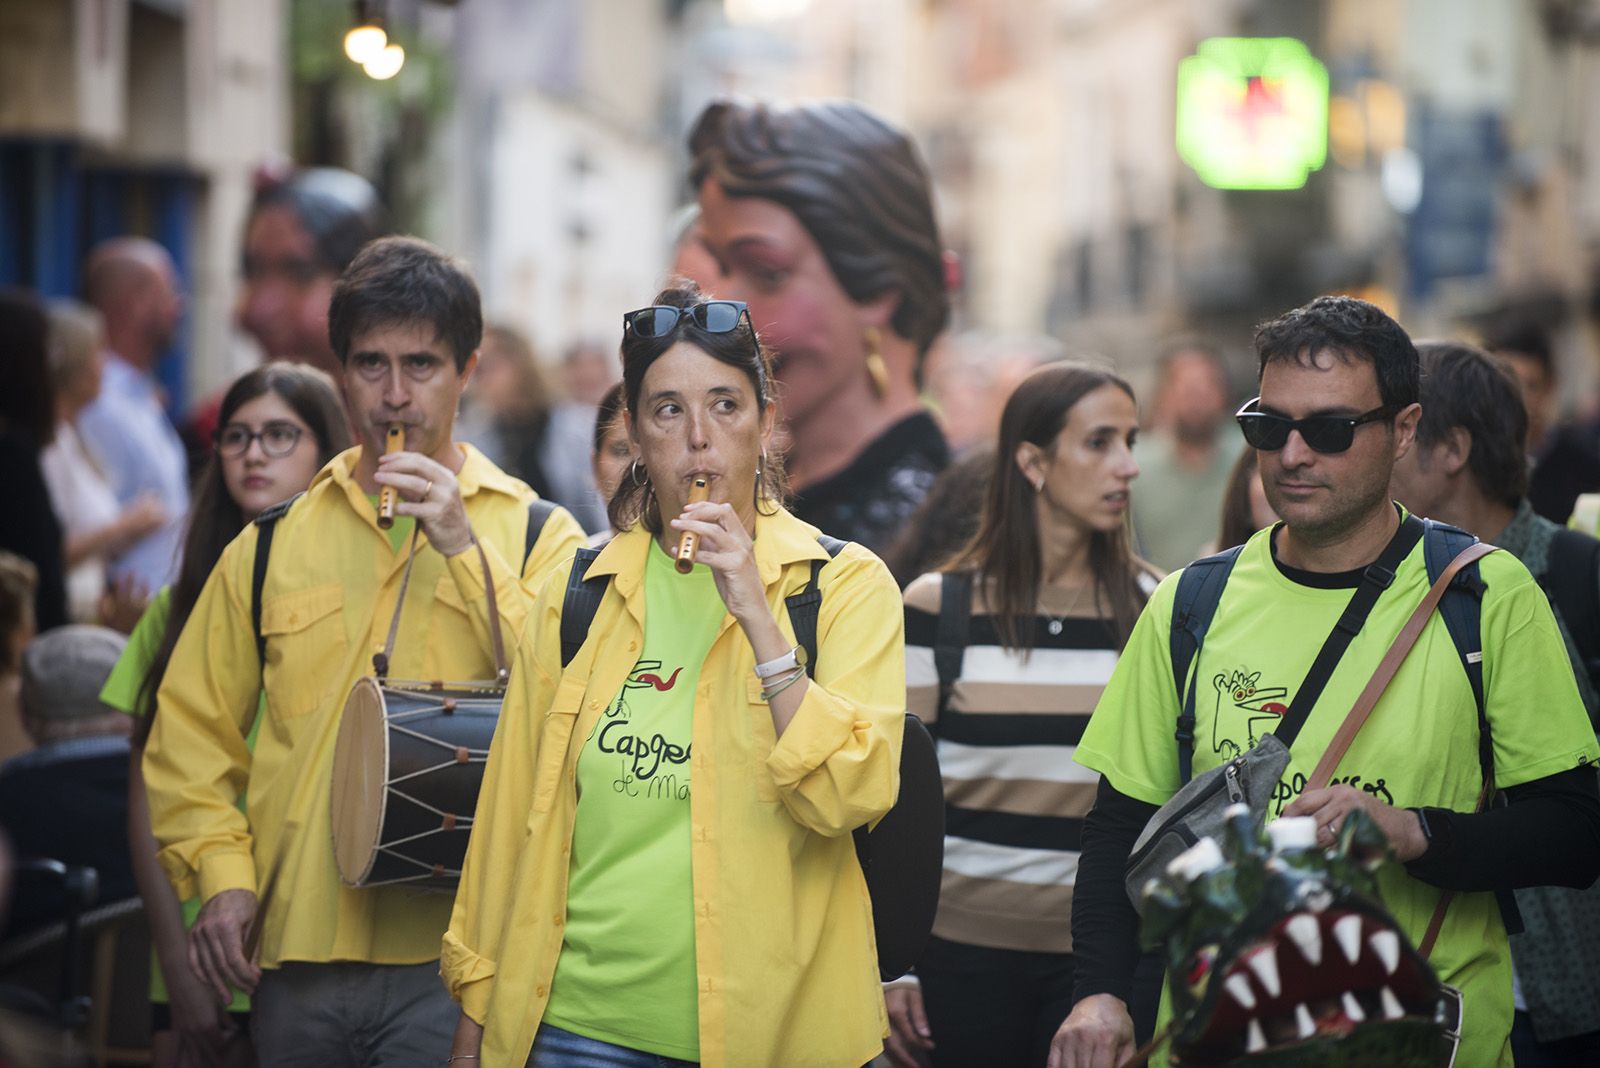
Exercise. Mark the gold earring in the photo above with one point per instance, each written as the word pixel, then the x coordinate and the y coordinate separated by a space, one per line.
pixel 877 370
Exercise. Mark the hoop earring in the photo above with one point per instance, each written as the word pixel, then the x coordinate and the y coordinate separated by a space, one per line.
pixel 877 370
pixel 633 474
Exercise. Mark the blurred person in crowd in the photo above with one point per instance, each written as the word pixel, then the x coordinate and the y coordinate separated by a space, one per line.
pixel 280 424
pixel 613 455
pixel 67 798
pixel 513 415
pixel 1338 409
pixel 19 580
pixel 820 217
pixel 603 918
pixel 1564 458
pixel 691 260
pixel 1469 468
pixel 97 527
pixel 29 526
pixel 132 283
pixel 345 975
pixel 302 231
pixel 300 235
pixel 1245 508
pixel 1049 588
pixel 946 519
pixel 588 369
pixel 969 377
pixel 1187 456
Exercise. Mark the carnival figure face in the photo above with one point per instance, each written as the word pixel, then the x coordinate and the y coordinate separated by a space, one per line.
pixel 698 417
pixel 404 373
pixel 283 302
pixel 815 332
pixel 268 454
pixel 1085 473
pixel 1323 494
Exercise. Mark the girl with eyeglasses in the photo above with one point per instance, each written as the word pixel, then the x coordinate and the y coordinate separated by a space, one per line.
pixel 279 424
pixel 661 869
pixel 1038 604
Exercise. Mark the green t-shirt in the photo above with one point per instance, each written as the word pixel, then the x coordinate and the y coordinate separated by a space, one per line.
pixel 1420 746
pixel 121 692
pixel 627 969
pixel 400 532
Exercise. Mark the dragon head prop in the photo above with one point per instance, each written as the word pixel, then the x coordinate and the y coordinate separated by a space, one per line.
pixel 1280 954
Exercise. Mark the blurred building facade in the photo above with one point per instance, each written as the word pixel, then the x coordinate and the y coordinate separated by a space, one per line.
pixel 145 117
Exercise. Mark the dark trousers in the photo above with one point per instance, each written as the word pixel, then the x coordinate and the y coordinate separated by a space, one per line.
pixel 349 1015
pixel 1001 1007
pixel 1578 1051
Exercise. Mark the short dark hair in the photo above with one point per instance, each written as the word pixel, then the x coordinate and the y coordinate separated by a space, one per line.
pixel 857 185
pixel 400 280
pixel 635 502
pixel 27 395
pixel 1463 386
pixel 1348 329
pixel 1522 337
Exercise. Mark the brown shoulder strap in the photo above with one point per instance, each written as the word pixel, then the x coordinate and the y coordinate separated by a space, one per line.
pixel 380 659
pixel 1390 664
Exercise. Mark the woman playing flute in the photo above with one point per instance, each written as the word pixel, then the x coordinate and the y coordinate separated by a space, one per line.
pixel 662 869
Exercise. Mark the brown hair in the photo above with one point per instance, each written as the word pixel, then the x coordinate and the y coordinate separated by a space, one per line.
pixel 1238 522
pixel 635 501
pixel 857 185
pixel 18 581
pixel 1005 554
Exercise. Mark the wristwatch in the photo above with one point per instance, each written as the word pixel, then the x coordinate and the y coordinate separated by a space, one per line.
pixel 794 658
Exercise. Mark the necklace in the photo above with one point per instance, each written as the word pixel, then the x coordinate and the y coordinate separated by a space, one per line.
pixel 1056 624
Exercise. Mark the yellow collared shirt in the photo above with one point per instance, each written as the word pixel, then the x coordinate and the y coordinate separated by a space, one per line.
pixel 330 590
pixel 784 942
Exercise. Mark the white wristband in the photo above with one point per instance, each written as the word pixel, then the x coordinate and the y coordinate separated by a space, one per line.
pixel 794 658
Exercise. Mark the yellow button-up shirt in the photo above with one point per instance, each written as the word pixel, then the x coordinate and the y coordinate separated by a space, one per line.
pixel 783 932
pixel 331 586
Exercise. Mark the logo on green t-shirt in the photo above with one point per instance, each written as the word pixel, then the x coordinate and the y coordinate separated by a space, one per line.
pixel 643 756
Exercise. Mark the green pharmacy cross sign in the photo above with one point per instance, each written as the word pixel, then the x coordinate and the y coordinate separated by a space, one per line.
pixel 1253 112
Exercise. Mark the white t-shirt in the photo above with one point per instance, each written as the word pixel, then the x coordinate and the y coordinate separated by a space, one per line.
pixel 84 502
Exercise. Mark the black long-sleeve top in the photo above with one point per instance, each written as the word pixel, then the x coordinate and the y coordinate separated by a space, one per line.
pixel 1547 835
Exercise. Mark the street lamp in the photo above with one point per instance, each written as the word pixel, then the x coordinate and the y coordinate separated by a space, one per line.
pixel 386 64
pixel 363 43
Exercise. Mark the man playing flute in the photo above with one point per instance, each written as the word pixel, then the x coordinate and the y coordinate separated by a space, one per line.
pixel 344 976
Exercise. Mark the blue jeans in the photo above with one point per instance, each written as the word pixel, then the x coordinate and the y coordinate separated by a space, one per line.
pixel 555 1048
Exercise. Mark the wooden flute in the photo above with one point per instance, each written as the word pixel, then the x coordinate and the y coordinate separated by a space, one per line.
pixel 689 542
pixel 393 442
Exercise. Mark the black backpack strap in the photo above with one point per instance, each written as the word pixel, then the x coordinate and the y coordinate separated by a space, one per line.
pixel 1572 581
pixel 265 524
pixel 581 602
pixel 1195 602
pixel 805 607
pixel 953 633
pixel 539 513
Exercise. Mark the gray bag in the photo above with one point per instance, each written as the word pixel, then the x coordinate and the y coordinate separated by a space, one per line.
pixel 1195 811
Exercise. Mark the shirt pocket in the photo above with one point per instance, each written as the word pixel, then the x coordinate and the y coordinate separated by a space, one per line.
pixel 451 647
pixel 555 737
pixel 758 718
pixel 306 646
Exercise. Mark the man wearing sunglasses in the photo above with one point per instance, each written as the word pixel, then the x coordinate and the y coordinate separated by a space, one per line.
pixel 1338 409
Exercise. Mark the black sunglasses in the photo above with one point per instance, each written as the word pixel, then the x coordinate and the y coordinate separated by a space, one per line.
pixel 1322 433
pixel 712 316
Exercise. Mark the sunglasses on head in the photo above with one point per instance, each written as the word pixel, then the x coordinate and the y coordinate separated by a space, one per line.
pixel 1321 433
pixel 712 316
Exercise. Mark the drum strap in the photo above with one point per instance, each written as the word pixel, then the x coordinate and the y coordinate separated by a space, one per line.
pixel 380 659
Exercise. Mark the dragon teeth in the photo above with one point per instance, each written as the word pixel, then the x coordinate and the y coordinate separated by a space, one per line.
pixel 1347 930
pixel 1386 944
pixel 1239 987
pixel 1391 1005
pixel 1307 934
pixel 1254 1041
pixel 1265 965
pixel 1303 1023
pixel 1352 1007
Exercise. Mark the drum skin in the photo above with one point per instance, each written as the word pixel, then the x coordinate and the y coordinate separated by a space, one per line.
pixel 407 767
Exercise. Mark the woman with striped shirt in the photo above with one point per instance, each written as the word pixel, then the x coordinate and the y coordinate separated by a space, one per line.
pixel 1007 650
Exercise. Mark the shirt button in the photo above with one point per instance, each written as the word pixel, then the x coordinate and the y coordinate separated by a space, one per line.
pixel 559 920
pixel 539 991
pixel 594 705
pixel 632 646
